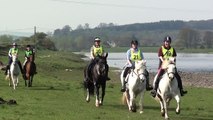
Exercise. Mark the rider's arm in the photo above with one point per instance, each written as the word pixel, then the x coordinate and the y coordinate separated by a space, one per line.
pixel 142 57
pixel 128 56
pixel 92 56
pixel 9 53
pixel 160 54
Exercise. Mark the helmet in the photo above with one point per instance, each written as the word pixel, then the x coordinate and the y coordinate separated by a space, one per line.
pixel 97 39
pixel 28 46
pixel 168 39
pixel 135 42
pixel 14 44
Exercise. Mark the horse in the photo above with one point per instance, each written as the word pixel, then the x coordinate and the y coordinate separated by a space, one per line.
pixel 29 71
pixel 136 85
pixel 13 72
pixel 168 87
pixel 97 80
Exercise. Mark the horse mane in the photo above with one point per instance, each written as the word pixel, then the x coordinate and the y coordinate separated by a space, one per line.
pixel 166 62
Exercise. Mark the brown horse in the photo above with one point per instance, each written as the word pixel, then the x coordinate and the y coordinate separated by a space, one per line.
pixel 30 69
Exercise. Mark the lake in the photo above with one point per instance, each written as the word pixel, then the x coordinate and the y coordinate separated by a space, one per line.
pixel 186 62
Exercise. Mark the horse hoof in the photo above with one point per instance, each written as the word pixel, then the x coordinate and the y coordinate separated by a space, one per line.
pixel 166 118
pixel 97 105
pixel 141 112
pixel 162 114
pixel 178 112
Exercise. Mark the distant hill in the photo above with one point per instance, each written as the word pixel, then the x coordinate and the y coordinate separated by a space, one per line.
pixel 148 34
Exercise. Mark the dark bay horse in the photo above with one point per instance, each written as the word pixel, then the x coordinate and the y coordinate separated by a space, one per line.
pixel 97 79
pixel 29 71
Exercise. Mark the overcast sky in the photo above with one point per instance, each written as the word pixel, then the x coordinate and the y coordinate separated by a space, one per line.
pixel 48 15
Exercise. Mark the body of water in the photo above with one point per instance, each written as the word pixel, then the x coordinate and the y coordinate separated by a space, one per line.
pixel 185 62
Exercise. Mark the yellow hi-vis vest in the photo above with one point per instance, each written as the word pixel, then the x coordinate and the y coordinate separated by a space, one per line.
pixel 167 53
pixel 136 56
pixel 98 50
pixel 14 51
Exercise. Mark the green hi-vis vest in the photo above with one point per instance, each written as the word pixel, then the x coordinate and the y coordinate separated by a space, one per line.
pixel 167 53
pixel 98 50
pixel 28 53
pixel 136 56
pixel 14 51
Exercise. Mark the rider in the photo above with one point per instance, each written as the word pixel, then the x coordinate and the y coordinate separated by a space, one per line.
pixel 96 49
pixel 165 52
pixel 13 51
pixel 28 52
pixel 134 54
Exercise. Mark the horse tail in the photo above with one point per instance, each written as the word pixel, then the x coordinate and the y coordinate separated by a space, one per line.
pixel 7 77
pixel 123 99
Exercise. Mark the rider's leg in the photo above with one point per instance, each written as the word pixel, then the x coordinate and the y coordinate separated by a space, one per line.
pixel 155 87
pixel 123 87
pixel 182 92
pixel 8 65
pixel 88 71
pixel 19 64
pixel 107 70
pixel 148 86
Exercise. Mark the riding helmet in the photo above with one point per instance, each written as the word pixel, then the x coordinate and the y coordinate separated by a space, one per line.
pixel 14 44
pixel 28 46
pixel 168 39
pixel 135 42
pixel 97 39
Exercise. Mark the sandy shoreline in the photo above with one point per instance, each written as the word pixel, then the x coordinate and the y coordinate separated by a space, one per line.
pixel 197 79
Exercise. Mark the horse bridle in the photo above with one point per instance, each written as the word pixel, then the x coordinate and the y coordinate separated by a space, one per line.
pixel 143 73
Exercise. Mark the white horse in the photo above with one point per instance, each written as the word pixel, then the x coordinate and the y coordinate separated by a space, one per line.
pixel 168 87
pixel 14 72
pixel 136 84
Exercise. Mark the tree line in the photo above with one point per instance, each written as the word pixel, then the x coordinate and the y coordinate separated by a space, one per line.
pixel 192 34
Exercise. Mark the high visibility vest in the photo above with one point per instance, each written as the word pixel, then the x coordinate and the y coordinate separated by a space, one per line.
pixel 135 55
pixel 14 51
pixel 167 53
pixel 98 50
pixel 28 53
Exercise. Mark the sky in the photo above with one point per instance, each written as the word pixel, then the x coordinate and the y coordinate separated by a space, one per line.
pixel 48 15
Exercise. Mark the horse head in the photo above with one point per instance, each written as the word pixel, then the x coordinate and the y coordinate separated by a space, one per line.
pixel 140 69
pixel 170 67
pixel 14 58
pixel 101 62
pixel 31 58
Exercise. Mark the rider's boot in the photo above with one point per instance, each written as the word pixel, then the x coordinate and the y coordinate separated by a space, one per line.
pixel 154 90
pixel 182 92
pixel 123 87
pixel 107 77
pixel 148 86
pixel 6 70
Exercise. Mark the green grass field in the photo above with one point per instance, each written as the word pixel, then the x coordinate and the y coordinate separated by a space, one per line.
pixel 58 94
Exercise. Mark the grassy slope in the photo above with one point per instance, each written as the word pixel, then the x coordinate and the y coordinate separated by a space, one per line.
pixel 58 95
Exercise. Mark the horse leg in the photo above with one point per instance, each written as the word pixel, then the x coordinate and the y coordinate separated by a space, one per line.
pixel 141 102
pixel 25 83
pixel 132 106
pixel 88 95
pixel 162 108
pixel 177 98
pixel 97 95
pixel 103 94
pixel 13 80
pixel 165 109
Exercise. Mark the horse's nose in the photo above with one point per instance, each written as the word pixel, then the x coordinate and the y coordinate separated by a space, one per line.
pixel 171 76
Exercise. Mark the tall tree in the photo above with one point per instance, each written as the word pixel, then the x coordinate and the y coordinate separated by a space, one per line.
pixel 208 39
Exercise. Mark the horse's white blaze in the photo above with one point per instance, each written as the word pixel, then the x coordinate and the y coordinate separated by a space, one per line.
pixel 168 88
pixel 136 84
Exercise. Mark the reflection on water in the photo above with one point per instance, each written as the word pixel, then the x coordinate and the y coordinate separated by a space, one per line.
pixel 185 62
